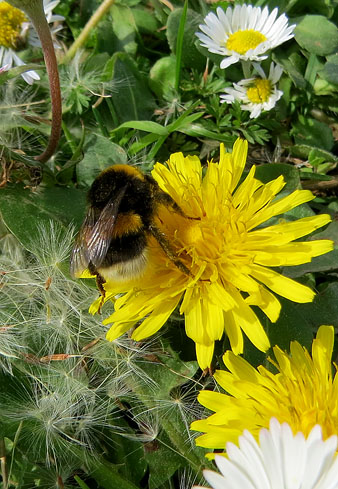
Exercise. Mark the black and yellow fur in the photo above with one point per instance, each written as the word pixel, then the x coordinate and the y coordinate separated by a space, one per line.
pixel 112 242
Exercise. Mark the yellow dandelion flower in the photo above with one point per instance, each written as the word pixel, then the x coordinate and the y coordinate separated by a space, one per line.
pixel 303 393
pixel 227 250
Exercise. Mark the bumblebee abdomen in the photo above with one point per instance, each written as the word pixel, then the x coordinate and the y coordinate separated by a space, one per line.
pixel 127 223
pixel 126 257
pixel 125 248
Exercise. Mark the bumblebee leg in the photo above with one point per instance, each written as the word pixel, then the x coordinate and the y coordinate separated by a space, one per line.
pixel 166 199
pixel 99 282
pixel 165 245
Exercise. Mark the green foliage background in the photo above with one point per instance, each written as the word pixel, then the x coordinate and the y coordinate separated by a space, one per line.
pixel 75 410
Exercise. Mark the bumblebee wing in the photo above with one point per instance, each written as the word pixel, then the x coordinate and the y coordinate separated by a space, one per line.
pixel 80 259
pixel 95 237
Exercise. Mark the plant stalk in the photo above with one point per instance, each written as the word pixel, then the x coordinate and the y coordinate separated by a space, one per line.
pixel 92 22
pixel 35 11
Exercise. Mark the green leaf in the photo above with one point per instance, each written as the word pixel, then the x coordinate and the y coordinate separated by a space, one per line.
pixel 317 35
pixel 323 87
pixel 124 28
pixel 293 324
pixel 128 455
pixel 144 22
pixel 22 210
pixel 179 121
pixel 179 44
pixel 133 101
pixel 107 474
pixel 309 175
pixel 100 153
pixel 81 483
pixel 291 66
pixel 182 122
pixel 143 143
pixel 147 126
pixel 163 462
pixel 191 56
pixel 313 66
pixel 162 77
pixel 271 171
pixel 303 151
pixel 330 70
pixel 323 310
pixel 7 75
pixel 323 263
pixel 312 133
pixel 199 131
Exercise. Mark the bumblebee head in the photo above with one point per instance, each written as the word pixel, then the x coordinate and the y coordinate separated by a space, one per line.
pixel 109 183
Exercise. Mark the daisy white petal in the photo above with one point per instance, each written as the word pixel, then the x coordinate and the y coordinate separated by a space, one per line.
pixel 29 76
pixel 280 460
pixel 243 32
pixel 256 94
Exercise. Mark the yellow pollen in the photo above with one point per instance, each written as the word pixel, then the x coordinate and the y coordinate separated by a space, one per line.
pixel 242 41
pixel 11 19
pixel 260 91
pixel 192 234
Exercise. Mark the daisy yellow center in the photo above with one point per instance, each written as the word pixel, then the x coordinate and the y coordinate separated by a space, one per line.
pixel 260 92
pixel 242 41
pixel 11 19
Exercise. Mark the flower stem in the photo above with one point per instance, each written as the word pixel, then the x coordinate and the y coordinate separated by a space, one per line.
pixel 35 11
pixel 246 68
pixel 92 22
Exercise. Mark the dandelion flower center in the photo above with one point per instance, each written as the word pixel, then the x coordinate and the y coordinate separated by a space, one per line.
pixel 11 19
pixel 223 231
pixel 242 41
pixel 260 92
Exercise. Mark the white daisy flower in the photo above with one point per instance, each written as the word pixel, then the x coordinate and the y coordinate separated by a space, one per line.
pixel 16 29
pixel 243 33
pixel 256 94
pixel 280 460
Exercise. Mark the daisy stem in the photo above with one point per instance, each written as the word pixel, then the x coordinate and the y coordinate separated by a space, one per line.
pixel 91 24
pixel 246 65
pixel 35 11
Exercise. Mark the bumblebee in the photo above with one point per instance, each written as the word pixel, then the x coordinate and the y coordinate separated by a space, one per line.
pixel 112 242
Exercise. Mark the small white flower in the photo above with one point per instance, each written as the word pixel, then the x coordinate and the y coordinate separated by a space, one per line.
pixel 243 32
pixel 281 460
pixel 15 29
pixel 256 94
